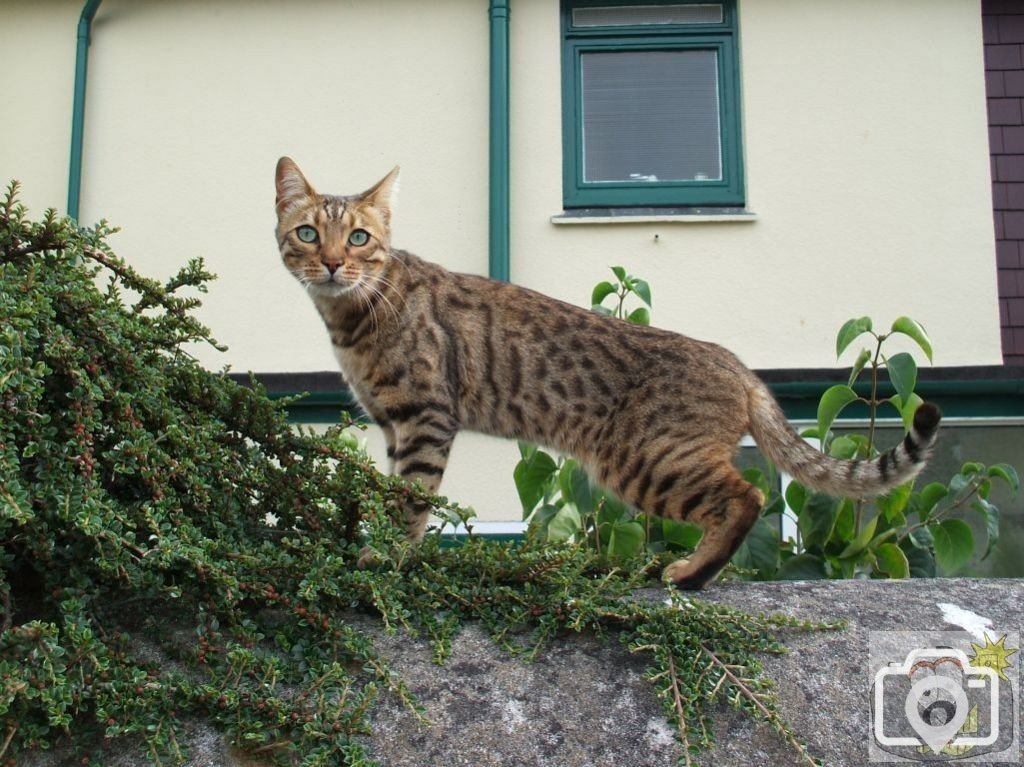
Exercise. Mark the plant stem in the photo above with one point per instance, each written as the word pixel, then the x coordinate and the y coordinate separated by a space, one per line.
pixel 872 402
pixel 680 710
pixel 968 493
pixel 769 716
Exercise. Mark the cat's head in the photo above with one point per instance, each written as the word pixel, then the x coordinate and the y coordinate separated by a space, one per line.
pixel 333 244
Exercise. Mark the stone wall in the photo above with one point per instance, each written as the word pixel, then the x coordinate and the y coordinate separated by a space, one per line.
pixel 584 703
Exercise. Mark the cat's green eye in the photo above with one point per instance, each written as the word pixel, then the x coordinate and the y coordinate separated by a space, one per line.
pixel 359 237
pixel 306 234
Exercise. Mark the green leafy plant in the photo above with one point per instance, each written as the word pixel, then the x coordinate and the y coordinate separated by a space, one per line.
pixel 908 532
pixel 171 548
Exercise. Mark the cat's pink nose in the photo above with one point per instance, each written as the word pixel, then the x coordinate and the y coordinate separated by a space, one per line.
pixel 332 266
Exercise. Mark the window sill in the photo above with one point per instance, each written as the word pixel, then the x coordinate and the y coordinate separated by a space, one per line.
pixel 687 215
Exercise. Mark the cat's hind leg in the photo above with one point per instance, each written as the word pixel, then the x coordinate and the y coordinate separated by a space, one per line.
pixel 725 511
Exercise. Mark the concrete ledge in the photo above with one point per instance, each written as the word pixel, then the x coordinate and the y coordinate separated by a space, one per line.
pixel 584 703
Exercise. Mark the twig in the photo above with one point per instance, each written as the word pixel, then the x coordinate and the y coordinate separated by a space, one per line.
pixel 767 713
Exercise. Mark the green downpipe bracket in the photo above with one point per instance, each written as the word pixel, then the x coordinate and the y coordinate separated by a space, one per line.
pixel 78 107
pixel 498 195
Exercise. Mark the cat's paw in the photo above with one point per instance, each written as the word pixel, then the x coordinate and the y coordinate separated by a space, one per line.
pixel 682 574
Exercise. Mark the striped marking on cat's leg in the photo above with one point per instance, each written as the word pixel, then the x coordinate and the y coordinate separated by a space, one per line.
pixel 725 512
pixel 422 446
pixel 418 444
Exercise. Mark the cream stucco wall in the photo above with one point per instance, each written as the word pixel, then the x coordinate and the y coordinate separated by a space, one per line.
pixel 865 153
pixel 867 166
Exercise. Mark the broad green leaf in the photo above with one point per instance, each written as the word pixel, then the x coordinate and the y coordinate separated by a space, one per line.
pixel 601 291
pixel 845 568
pixel 760 550
pixel 541 518
pixel 758 479
pixel 620 273
pixel 796 496
pixel 844 448
pixel 565 524
pixel 907 409
pixel 641 316
pixel 609 508
pixel 626 540
pixel 802 567
pixel 849 331
pixel 643 290
pixel 846 520
pixel 970 468
pixel 858 364
pixel 903 374
pixel 921 538
pixel 914 330
pixel 893 503
pixel 990 514
pixel 576 486
pixel 817 519
pixel 602 310
pixel 954 544
pixel 1006 473
pixel 861 540
pixel 958 483
pixel 832 402
pixel 984 488
pixel 775 504
pixel 891 560
pixel 532 476
pixel 921 562
pixel 925 501
pixel 681 535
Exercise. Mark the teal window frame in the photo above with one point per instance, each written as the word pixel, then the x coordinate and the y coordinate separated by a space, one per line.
pixel 721 37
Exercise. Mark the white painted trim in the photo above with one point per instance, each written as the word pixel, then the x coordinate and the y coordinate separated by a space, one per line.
pixel 489 528
pixel 567 219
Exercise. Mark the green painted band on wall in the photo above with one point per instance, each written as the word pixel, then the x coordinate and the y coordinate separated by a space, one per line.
pixel 799 400
pixel 78 105
pixel 957 398
pixel 498 189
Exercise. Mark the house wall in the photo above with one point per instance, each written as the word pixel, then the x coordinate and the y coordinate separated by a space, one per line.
pixel 865 148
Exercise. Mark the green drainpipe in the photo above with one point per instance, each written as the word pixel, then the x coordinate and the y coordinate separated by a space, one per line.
pixel 498 240
pixel 78 108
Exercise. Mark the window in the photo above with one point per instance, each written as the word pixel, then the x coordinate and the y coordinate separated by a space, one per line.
pixel 650 104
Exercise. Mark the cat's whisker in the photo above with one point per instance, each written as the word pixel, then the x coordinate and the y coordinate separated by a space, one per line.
pixel 394 289
pixel 366 299
pixel 372 290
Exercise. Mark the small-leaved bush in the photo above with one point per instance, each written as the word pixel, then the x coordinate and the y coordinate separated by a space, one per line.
pixel 144 582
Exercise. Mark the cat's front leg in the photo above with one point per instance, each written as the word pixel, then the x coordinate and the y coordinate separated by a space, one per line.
pixel 421 455
pixel 418 450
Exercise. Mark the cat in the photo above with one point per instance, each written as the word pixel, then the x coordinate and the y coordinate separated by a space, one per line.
pixel 653 416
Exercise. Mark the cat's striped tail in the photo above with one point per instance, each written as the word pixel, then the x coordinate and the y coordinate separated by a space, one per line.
pixel 854 478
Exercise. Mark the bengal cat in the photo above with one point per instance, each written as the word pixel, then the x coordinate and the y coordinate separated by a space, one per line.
pixel 654 416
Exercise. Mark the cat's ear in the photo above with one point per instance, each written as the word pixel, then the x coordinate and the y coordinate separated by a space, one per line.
pixel 383 194
pixel 292 186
